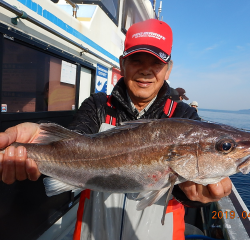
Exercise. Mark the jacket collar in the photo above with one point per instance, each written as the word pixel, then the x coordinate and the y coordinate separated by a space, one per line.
pixel 120 94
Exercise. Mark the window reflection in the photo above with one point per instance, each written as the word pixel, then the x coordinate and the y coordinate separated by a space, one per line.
pixel 130 15
pixel 31 81
pixel 112 6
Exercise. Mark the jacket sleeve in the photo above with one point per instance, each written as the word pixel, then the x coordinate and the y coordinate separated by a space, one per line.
pixel 88 117
pixel 183 110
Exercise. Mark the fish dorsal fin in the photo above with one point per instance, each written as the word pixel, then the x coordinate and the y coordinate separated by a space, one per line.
pixel 110 128
pixel 104 132
pixel 52 132
pixel 138 122
pixel 54 186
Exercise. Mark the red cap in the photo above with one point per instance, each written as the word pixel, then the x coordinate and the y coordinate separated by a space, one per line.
pixel 152 36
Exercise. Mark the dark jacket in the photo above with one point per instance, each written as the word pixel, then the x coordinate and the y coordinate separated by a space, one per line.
pixel 93 111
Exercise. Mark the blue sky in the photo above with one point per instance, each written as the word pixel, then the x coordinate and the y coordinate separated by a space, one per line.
pixel 211 51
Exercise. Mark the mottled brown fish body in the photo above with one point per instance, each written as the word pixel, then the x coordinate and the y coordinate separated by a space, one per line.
pixel 140 156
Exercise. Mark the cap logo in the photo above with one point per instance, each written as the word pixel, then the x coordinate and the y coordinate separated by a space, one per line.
pixel 162 55
pixel 148 34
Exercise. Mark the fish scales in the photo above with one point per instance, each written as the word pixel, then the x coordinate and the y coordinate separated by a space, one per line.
pixel 81 160
pixel 141 155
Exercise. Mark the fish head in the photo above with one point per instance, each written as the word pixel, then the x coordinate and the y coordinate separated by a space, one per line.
pixel 211 151
pixel 231 149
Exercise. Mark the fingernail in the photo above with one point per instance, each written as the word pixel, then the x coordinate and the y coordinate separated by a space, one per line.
pixel 20 151
pixel 1 165
pixel 10 151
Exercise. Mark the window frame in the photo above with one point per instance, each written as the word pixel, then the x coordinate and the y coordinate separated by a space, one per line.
pixel 36 44
pixel 103 7
pixel 67 200
pixel 124 14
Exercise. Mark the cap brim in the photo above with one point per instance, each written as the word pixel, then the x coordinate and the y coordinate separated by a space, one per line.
pixel 186 98
pixel 164 57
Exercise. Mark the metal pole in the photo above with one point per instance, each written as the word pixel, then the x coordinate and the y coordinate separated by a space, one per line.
pixel 154 4
pixel 71 3
pixel 203 221
pixel 51 30
pixel 159 10
pixel 74 6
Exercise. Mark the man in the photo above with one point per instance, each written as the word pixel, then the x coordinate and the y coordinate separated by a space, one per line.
pixel 142 93
pixel 182 94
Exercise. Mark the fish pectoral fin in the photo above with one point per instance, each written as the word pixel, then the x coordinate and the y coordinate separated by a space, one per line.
pixel 150 197
pixel 144 194
pixel 172 179
pixel 244 167
pixel 54 186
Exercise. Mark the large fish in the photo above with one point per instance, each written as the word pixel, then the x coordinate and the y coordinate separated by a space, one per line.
pixel 147 156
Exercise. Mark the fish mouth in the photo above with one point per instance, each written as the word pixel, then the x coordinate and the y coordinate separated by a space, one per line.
pixel 244 164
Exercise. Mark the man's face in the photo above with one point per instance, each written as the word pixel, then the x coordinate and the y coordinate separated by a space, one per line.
pixel 144 75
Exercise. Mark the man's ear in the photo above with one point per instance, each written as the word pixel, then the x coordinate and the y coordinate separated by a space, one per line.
pixel 169 69
pixel 121 66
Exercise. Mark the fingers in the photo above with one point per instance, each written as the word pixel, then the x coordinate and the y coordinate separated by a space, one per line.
pixel 32 170
pixel 16 166
pixel 6 139
pixel 13 163
pixel 193 191
pixel 209 193
pixel 220 189
pixel 9 173
pixel 1 165
pixel 20 163
pixel 23 133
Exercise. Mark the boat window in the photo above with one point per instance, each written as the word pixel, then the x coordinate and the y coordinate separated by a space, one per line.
pixel 130 15
pixel 110 7
pixel 33 81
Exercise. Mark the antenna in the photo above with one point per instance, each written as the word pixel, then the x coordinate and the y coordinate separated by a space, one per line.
pixel 159 10
pixel 74 6
pixel 154 4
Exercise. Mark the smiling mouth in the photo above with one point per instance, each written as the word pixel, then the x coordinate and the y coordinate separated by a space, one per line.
pixel 142 83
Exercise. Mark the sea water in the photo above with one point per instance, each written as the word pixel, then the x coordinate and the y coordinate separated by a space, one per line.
pixel 241 181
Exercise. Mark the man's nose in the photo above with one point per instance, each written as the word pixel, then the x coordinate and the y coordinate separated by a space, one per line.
pixel 146 69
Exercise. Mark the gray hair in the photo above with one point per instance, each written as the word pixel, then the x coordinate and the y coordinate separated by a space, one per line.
pixel 170 63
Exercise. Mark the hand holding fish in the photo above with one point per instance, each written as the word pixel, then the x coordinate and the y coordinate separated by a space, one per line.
pixel 14 164
pixel 209 193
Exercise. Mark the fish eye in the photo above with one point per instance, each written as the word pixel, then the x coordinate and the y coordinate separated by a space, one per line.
pixel 225 145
